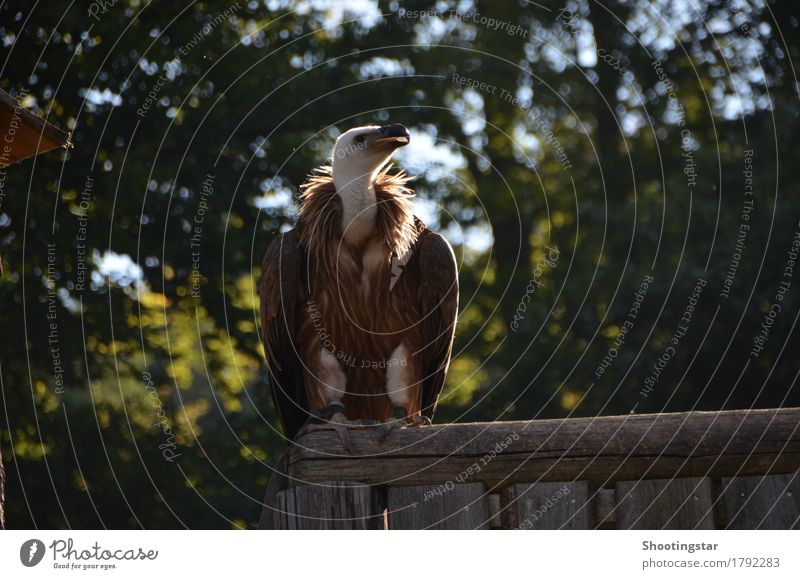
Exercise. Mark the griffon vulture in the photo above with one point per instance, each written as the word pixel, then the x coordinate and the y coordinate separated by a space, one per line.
pixel 359 300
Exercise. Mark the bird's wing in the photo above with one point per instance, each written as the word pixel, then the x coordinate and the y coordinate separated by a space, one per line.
pixel 281 292
pixel 438 295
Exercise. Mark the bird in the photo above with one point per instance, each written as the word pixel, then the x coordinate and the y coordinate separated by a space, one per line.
pixel 359 300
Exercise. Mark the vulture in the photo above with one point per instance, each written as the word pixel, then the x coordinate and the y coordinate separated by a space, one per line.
pixel 359 300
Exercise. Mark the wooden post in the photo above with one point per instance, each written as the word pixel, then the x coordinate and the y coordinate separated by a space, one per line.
pixel 331 505
pixel 761 502
pixel 449 506
pixel 548 505
pixel 682 503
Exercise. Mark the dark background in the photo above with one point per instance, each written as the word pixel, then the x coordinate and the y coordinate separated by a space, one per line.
pixel 650 183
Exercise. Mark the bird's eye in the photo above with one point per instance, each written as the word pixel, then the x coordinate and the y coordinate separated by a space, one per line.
pixel 360 139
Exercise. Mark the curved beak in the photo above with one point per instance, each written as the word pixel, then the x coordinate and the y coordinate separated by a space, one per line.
pixel 396 135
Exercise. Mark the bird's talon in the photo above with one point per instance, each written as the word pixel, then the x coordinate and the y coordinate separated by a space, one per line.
pixel 339 422
pixel 344 436
pixel 420 420
pixel 339 418
pixel 388 426
pixel 399 420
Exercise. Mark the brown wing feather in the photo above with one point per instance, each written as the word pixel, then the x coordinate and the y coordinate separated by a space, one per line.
pixel 438 294
pixel 281 292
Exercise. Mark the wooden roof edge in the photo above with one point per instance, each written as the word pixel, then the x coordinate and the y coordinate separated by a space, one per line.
pixel 57 136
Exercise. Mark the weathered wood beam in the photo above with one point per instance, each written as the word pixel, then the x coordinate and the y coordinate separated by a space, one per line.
pixel 601 450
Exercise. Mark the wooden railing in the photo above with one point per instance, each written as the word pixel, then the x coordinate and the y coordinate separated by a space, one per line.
pixel 704 470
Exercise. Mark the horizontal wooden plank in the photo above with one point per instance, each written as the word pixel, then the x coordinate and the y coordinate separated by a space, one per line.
pixel 600 450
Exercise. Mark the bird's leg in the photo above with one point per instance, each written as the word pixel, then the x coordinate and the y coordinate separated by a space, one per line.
pixel 401 375
pixel 332 384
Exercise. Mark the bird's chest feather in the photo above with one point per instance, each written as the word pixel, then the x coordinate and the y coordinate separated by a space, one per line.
pixel 361 309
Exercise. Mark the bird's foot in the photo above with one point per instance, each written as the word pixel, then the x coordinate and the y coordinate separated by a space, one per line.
pixel 400 419
pixel 335 414
pixel 331 416
pixel 322 416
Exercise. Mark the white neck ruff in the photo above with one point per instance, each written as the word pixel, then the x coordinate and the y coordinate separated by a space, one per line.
pixel 359 207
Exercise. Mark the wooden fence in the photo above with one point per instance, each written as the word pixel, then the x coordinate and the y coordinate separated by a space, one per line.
pixel 696 470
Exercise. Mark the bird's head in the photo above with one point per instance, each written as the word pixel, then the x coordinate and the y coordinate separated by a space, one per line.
pixel 364 151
